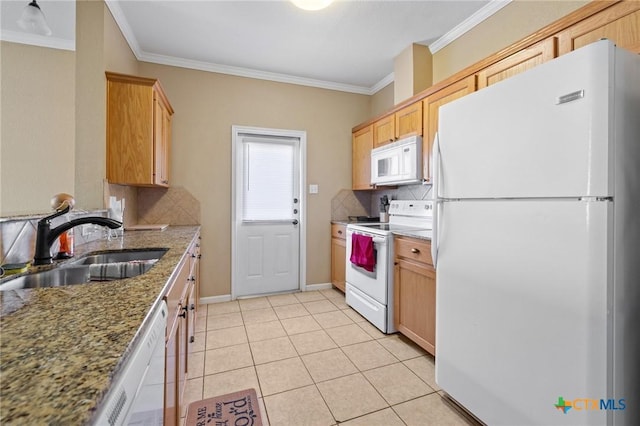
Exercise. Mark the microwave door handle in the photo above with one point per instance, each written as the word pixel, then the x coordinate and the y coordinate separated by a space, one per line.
pixel 436 200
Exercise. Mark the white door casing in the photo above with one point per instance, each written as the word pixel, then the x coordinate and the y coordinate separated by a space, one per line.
pixel 268 219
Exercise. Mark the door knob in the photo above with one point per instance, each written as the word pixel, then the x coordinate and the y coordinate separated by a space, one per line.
pixel 295 221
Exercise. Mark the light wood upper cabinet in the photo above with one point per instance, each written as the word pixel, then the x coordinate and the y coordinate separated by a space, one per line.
pixel 362 144
pixel 409 121
pixel 138 131
pixel 619 23
pixel 403 123
pixel 384 131
pixel 518 62
pixel 431 107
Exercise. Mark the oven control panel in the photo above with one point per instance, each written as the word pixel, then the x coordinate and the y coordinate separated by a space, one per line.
pixel 412 208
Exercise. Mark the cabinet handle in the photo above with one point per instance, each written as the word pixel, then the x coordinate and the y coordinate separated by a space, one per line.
pixel 166 182
pixel 184 312
pixel 193 255
pixel 340 232
pixel 199 256
pixel 415 251
pixel 193 306
pixel 192 339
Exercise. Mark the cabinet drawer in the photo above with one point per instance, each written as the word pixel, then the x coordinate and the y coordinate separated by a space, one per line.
pixel 177 292
pixel 338 231
pixel 414 249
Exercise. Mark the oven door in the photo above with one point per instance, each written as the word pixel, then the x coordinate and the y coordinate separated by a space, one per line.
pixel 373 284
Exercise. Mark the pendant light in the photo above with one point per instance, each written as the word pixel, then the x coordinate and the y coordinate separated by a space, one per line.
pixel 33 20
pixel 312 4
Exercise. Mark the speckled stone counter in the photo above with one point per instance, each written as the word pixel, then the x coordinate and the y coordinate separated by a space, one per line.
pixel 62 346
pixel 422 235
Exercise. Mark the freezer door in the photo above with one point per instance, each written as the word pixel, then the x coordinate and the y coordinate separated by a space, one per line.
pixel 522 309
pixel 542 133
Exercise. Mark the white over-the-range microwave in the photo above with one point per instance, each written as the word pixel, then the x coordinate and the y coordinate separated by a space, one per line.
pixel 397 163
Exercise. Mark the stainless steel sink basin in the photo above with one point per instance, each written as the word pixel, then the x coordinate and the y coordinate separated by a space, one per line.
pixel 106 266
pixel 121 256
pixel 52 278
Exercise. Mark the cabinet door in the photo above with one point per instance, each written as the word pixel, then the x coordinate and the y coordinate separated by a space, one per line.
pixel 431 106
pixel 409 121
pixel 619 23
pixel 518 62
pixel 384 131
pixel 361 158
pixel 338 263
pixel 130 130
pixel 415 303
pixel 161 142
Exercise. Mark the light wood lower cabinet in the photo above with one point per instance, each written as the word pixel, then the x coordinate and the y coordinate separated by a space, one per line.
pixel 182 307
pixel 414 292
pixel 338 255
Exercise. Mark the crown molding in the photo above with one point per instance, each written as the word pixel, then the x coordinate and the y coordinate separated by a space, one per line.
pixel 125 28
pixel 390 78
pixel 38 40
pixel 492 7
pixel 251 73
pixel 143 56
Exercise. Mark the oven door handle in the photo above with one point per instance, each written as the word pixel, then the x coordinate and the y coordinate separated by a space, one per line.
pixel 376 239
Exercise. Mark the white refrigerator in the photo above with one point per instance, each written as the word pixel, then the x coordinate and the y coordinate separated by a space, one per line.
pixel 537 244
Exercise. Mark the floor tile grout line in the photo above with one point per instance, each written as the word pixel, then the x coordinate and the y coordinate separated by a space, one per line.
pixel 300 356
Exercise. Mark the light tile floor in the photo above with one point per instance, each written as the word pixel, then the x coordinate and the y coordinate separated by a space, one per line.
pixel 314 361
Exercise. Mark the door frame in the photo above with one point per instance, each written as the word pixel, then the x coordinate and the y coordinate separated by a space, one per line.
pixel 236 130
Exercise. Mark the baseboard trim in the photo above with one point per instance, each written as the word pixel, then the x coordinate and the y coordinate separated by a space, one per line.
pixel 227 297
pixel 321 286
pixel 215 299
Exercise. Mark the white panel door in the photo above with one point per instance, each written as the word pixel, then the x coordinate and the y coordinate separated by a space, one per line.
pixel 521 301
pixel 517 139
pixel 267 214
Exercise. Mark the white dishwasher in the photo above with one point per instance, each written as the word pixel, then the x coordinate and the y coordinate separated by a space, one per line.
pixel 137 395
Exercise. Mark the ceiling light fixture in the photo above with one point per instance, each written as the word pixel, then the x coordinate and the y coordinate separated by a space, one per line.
pixel 33 20
pixel 312 4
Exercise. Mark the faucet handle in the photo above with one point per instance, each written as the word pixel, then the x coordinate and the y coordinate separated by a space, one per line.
pixel 56 214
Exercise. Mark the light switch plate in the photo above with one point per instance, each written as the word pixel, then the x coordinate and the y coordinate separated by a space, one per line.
pixel 313 189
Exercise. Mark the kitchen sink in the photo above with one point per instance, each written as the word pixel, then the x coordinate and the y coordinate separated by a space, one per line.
pixel 52 278
pixel 121 256
pixel 107 266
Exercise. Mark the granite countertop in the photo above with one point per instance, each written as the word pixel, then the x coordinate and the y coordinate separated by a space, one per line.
pixel 421 235
pixel 61 347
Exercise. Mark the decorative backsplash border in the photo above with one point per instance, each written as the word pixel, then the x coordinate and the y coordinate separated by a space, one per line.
pixel 367 203
pixel 18 235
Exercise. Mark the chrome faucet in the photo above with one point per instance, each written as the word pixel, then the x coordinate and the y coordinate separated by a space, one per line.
pixel 45 236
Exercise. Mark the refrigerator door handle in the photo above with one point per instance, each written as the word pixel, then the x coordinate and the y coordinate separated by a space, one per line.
pixel 436 199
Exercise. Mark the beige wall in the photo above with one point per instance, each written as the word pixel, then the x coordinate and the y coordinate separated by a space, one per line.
pixel 513 22
pixel 382 100
pixel 37 127
pixel 207 105
pixel 54 129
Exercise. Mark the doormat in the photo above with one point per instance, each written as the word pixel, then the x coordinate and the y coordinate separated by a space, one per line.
pixel 233 409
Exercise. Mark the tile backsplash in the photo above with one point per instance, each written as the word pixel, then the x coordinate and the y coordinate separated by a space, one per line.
pixel 18 235
pixel 367 203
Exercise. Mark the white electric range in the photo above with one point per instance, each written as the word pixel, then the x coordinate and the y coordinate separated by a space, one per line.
pixel 371 293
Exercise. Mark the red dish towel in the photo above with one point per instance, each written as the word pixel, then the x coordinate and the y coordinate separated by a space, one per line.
pixel 362 252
